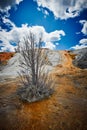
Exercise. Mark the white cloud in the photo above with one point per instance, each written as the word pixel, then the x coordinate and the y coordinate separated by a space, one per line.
pixel 78 47
pixel 82 44
pixel 50 45
pixel 57 43
pixel 45 12
pixel 84 29
pixel 83 41
pixel 63 9
pixel 5 5
pixel 39 9
pixel 54 36
pixel 48 38
pixel 7 21
pixel 17 34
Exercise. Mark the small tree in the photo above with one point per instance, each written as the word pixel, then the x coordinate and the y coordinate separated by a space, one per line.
pixel 34 77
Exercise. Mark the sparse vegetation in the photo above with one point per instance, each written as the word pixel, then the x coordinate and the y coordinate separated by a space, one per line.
pixel 34 76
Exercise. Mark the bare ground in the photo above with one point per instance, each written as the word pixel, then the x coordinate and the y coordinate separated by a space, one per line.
pixel 66 109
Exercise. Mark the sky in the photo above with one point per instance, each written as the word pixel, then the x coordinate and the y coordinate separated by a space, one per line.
pixel 62 23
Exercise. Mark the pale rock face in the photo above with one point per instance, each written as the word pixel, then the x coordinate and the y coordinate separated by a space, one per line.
pixel 54 57
pixel 12 68
pixel 81 58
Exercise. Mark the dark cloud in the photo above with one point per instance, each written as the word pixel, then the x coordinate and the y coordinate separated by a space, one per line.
pixel 6 3
pixel 66 2
pixel 63 9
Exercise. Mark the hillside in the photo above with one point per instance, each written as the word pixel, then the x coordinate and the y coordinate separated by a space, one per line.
pixel 66 109
pixel 81 58
pixel 60 60
pixel 12 67
pixel 4 56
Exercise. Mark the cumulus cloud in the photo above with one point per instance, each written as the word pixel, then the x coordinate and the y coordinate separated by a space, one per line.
pixel 7 22
pixel 63 9
pixel 83 41
pixel 79 47
pixel 45 12
pixel 54 36
pixel 82 44
pixel 17 34
pixel 50 45
pixel 5 5
pixel 84 29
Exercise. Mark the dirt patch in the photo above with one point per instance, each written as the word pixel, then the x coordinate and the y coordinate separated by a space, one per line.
pixel 6 55
pixel 66 109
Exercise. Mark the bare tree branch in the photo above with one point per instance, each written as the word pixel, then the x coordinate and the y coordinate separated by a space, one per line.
pixel 33 76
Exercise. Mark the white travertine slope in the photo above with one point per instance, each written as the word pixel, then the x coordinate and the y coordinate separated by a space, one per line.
pixel 12 68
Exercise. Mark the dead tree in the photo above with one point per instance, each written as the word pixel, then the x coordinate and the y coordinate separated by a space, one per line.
pixel 18 47
pixel 34 77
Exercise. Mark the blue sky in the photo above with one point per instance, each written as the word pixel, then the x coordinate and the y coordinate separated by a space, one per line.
pixel 62 23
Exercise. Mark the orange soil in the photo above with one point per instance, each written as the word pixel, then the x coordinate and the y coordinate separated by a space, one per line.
pixel 4 56
pixel 66 109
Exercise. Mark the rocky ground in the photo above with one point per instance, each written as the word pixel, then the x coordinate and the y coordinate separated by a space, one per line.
pixel 66 109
